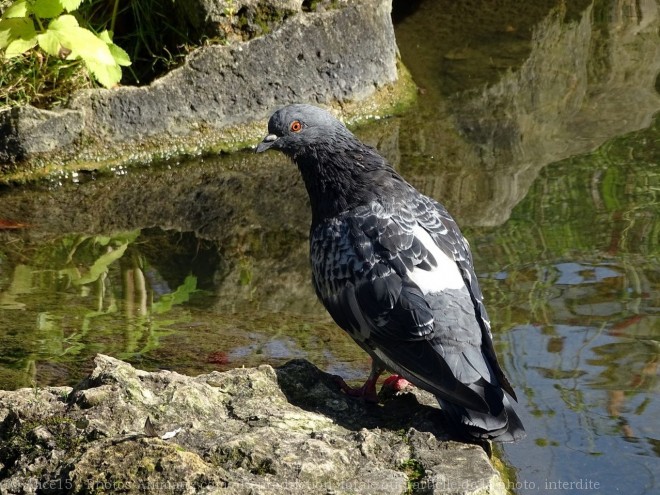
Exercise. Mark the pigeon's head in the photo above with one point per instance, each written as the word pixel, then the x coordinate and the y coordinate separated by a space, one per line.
pixel 338 170
pixel 297 127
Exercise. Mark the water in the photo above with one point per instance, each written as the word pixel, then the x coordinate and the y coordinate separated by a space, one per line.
pixel 535 126
pixel 579 301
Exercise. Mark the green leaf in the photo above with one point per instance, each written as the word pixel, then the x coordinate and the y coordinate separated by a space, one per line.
pixel 19 46
pixel 120 56
pixel 107 75
pixel 106 36
pixel 11 29
pixel 47 9
pixel 70 5
pixel 50 43
pixel 88 46
pixel 118 53
pixel 101 265
pixel 62 23
pixel 97 55
pixel 18 9
pixel 56 36
pixel 6 34
pixel 17 35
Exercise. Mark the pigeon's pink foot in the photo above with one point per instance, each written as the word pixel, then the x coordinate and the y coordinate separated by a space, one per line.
pixel 366 391
pixel 396 383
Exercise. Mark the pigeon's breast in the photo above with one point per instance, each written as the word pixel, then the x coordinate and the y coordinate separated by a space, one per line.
pixel 337 257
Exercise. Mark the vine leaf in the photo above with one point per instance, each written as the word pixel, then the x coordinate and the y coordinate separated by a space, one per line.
pixel 101 56
pixel 18 9
pixel 70 5
pixel 17 35
pixel 47 9
pixel 118 53
pixel 101 265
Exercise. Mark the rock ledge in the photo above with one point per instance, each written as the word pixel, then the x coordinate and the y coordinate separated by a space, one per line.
pixel 259 430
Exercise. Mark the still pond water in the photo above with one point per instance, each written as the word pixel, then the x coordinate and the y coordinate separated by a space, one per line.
pixel 535 126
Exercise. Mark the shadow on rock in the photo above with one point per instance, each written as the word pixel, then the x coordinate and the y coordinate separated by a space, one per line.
pixel 311 389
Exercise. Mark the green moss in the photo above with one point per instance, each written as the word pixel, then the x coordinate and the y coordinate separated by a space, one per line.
pixel 20 442
pixel 264 466
pixel 147 465
pixel 268 16
pixel 310 5
pixel 506 472
pixel 315 5
pixel 415 472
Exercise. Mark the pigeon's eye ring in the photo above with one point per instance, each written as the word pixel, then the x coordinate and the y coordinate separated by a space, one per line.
pixel 295 126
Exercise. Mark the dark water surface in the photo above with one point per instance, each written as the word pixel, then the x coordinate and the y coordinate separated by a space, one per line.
pixel 535 126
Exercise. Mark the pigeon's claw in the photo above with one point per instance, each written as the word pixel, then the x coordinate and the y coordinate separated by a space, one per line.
pixel 367 392
pixel 396 383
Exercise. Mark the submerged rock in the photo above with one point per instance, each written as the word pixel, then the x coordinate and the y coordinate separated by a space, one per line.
pixel 258 430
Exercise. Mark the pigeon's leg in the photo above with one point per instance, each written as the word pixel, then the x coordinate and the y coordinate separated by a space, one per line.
pixel 366 391
pixel 396 383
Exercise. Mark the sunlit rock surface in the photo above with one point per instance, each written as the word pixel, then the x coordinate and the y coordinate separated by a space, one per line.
pixel 244 431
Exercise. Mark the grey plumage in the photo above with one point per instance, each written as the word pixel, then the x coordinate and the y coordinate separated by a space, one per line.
pixel 393 269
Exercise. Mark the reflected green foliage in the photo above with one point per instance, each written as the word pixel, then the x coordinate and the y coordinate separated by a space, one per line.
pixel 100 251
pixel 81 288
pixel 179 296
pixel 603 209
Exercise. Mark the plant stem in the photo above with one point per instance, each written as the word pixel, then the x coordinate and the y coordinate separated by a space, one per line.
pixel 114 17
pixel 41 26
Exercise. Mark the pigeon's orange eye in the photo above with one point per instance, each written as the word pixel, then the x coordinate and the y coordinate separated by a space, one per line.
pixel 296 126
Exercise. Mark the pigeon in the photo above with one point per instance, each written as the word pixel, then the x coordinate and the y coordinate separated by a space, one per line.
pixel 392 268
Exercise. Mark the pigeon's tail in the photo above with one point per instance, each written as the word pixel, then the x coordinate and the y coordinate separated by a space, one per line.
pixel 501 424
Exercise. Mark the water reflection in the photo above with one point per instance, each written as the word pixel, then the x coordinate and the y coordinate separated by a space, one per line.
pixel 537 83
pixel 574 274
pixel 69 296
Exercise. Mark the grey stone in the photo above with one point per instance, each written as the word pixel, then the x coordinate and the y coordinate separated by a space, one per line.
pixel 317 57
pixel 28 130
pixel 256 430
pixel 235 19
pixel 452 469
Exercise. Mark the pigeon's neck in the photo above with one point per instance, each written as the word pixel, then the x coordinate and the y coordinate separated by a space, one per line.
pixel 344 176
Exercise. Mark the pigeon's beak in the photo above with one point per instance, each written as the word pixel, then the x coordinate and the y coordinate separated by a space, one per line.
pixel 266 143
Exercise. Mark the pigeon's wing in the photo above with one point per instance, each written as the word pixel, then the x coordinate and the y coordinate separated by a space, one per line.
pixel 384 280
pixel 444 231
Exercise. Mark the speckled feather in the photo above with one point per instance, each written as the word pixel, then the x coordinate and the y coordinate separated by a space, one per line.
pixel 393 269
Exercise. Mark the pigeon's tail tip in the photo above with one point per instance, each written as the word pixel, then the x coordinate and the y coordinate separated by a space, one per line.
pixel 505 427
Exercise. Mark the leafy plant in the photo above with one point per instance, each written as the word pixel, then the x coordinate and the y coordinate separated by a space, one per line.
pixel 43 26
pixel 152 33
